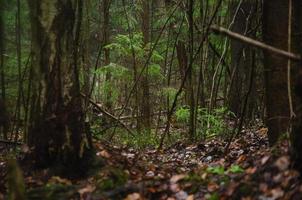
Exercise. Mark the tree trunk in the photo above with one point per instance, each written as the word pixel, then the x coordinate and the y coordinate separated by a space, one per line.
pixel 296 137
pixel 106 37
pixel 57 130
pixel 275 33
pixel 4 121
pixel 144 97
pixel 241 55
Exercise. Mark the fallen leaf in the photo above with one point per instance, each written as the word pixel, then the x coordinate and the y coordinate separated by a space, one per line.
pixel 85 190
pixel 241 159
pixel 264 160
pixel 134 196
pixel 150 174
pixel 177 178
pixel 263 187
pixel 181 195
pixel 262 131
pixel 104 154
pixel 277 193
pixel 251 170
pixel 59 180
pixel 282 163
pixel 191 197
pixel 212 187
pixel 174 188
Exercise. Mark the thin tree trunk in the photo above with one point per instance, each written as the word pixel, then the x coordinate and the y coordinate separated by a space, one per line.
pixel 4 121
pixel 144 98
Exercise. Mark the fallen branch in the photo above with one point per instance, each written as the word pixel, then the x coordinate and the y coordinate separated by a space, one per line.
pixel 10 142
pixel 255 43
pixel 107 113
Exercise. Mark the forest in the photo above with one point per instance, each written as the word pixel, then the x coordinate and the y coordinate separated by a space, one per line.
pixel 150 99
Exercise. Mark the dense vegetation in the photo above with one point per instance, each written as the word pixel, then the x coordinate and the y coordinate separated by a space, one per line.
pixel 128 99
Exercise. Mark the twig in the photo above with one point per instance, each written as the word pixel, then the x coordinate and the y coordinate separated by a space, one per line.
pixel 10 142
pixel 107 113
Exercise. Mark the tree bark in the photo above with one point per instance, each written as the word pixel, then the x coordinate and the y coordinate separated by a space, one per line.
pixel 4 121
pixel 57 129
pixel 240 55
pixel 144 124
pixel 275 33
pixel 296 72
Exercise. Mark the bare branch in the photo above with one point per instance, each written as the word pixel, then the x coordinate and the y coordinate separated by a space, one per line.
pixel 255 43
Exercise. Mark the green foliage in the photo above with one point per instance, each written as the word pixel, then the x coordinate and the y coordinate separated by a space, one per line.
pixel 115 70
pixel 212 123
pixel 111 178
pixel 53 191
pixel 139 140
pixel 183 114
pixel 236 169
pixel 124 46
pixel 219 170
pixel 209 124
pixel 108 89
pixel 154 72
pixel 214 196
pixel 170 93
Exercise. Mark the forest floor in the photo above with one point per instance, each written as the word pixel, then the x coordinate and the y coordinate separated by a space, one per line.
pixel 250 170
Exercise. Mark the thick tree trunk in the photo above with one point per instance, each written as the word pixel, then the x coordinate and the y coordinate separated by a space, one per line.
pixel 56 132
pixel 296 137
pixel 275 33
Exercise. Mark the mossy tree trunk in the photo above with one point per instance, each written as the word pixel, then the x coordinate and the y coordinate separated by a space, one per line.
pixel 56 130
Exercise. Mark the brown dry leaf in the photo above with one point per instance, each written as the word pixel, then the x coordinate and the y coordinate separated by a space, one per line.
pixel 246 198
pixel 251 170
pixel 190 197
pixel 262 131
pixel 277 193
pixel 176 178
pixel 152 190
pixel 212 187
pixel 241 159
pixel 134 196
pixel 263 187
pixel 85 190
pixel 104 154
pixel 282 163
pixel 174 188
pixel 152 167
pixel 264 160
pixel 231 188
pixel 57 179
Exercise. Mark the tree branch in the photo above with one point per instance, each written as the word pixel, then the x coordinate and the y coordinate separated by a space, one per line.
pixel 107 113
pixel 255 43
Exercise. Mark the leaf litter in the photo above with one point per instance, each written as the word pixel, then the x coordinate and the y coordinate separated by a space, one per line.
pixel 251 170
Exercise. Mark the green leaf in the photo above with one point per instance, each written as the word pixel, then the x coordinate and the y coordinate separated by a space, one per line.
pixel 216 170
pixel 236 169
